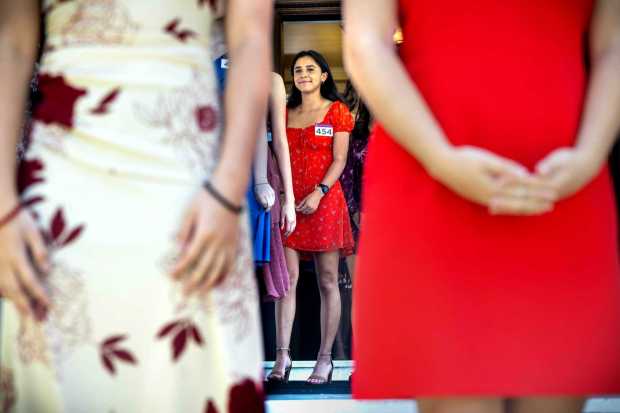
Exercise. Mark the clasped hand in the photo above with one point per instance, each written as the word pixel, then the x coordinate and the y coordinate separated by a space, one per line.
pixel 506 187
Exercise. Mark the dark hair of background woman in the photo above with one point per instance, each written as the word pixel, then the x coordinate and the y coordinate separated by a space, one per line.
pixel 363 118
pixel 328 88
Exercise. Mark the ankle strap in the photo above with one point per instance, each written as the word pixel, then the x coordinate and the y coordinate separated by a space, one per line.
pixel 283 349
pixel 325 355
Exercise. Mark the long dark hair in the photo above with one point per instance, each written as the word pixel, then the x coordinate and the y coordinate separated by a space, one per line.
pixel 363 118
pixel 328 88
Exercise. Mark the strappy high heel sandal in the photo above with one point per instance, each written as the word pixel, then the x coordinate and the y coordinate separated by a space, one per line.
pixel 277 377
pixel 320 379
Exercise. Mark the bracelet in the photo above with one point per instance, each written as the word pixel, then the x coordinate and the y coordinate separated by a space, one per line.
pixel 11 215
pixel 236 209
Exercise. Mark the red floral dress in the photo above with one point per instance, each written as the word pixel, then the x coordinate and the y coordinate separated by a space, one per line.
pixel 328 229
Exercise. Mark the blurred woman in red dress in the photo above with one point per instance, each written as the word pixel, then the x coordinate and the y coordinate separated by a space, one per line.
pixel 318 128
pixel 503 277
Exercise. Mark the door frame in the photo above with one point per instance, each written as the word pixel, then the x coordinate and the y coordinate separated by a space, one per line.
pixel 299 10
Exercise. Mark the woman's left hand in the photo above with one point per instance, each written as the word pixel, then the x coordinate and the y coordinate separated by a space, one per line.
pixel 310 203
pixel 568 170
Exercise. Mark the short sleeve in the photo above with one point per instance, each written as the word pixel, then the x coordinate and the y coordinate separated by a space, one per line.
pixel 342 119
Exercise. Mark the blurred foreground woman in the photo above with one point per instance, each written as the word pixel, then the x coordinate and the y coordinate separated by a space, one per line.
pixel 488 261
pixel 125 261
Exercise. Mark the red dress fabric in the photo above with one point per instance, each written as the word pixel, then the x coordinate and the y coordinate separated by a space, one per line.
pixel 328 229
pixel 450 300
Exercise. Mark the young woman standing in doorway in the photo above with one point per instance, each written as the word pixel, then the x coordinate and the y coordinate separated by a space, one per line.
pixel 318 128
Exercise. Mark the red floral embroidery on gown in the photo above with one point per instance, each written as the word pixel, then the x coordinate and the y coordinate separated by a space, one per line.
pixel 126 125
pixel 245 397
pixel 328 229
pixel 56 100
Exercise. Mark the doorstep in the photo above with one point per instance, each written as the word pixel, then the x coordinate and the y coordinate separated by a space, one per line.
pixel 339 387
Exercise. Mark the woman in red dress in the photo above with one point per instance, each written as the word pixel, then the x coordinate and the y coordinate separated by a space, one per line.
pixel 318 127
pixel 488 203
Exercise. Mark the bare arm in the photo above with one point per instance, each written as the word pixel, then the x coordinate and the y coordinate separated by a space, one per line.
pixel 209 233
pixel 340 151
pixel 571 169
pixel 19 278
pixel 288 218
pixel 380 77
pixel 263 191
pixel 278 129
pixel 601 118
pixel 248 34
pixel 260 157
pixel 378 74
pixel 19 33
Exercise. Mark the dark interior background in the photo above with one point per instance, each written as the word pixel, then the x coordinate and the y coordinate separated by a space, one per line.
pixel 301 25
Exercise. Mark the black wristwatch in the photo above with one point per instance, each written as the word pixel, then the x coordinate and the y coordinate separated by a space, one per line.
pixel 324 188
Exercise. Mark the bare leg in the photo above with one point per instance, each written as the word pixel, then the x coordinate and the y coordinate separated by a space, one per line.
pixel 351 259
pixel 327 269
pixel 285 315
pixel 548 405
pixel 460 405
pixel 351 265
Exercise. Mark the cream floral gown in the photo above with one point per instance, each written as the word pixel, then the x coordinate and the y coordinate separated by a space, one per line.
pixel 126 127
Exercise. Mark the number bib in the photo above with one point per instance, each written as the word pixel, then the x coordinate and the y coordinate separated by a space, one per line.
pixel 323 129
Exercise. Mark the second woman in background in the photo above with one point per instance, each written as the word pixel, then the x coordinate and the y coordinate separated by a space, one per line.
pixel 283 217
pixel 351 178
pixel 271 177
pixel 318 127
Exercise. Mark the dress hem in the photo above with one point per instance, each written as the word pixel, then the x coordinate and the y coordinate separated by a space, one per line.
pixel 344 251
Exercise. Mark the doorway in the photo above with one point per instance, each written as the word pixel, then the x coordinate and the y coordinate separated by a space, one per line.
pixel 304 25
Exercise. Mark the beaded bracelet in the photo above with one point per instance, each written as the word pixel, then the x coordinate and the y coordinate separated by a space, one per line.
pixel 236 209
pixel 11 215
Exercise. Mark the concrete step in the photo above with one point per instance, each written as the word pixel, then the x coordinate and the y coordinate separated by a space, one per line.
pixel 303 369
pixel 341 405
pixel 296 396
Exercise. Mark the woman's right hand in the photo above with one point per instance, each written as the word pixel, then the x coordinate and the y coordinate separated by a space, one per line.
pixel 288 218
pixel 208 237
pixel 504 186
pixel 20 281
